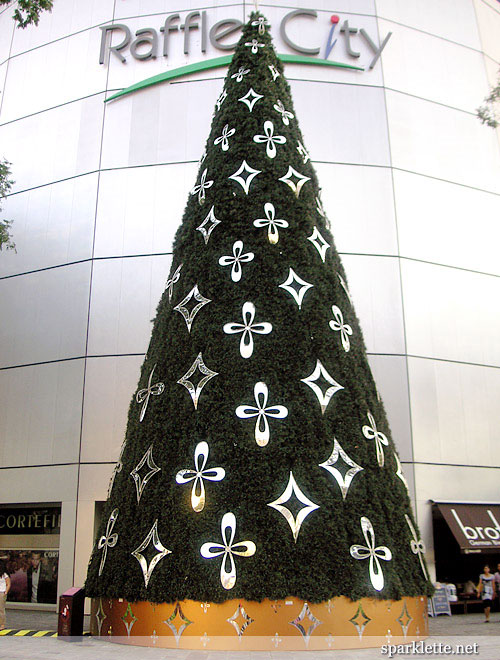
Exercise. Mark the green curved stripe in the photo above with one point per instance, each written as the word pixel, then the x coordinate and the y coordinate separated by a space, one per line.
pixel 217 63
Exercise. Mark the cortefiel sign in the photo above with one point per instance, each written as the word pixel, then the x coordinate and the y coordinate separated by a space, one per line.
pixel 149 43
pixel 476 527
pixel 30 520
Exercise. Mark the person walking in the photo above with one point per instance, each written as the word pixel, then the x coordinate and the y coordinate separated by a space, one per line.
pixel 486 590
pixel 497 584
pixel 4 590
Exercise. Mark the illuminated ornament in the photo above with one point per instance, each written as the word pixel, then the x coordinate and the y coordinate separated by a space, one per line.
pixel 189 314
pixel 319 243
pixel 319 208
pixel 373 553
pixel 326 388
pixel 342 477
pixel 262 413
pixel 295 180
pixel 303 152
pixel 360 620
pixel 142 396
pixel 169 286
pixel 128 619
pixel 244 175
pixel 238 76
pixel 404 619
pixel 100 617
pixel 251 98
pixel 296 287
pixel 228 549
pixel 207 373
pixel 236 260
pixel 292 490
pixel 262 23
pixel 271 222
pixel 223 139
pixel 344 286
pixel 285 115
pixel 371 433
pixel 141 482
pixel 399 472
pixel 274 71
pixel 247 327
pixel 254 45
pixel 269 139
pixel 417 546
pixel 117 469
pixel 221 99
pixel 240 615
pixel 185 622
pixel 208 225
pixel 203 185
pixel 337 324
pixel 198 474
pixel 153 539
pixel 300 623
pixel 109 540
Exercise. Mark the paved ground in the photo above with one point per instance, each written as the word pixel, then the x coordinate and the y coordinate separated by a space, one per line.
pixel 458 629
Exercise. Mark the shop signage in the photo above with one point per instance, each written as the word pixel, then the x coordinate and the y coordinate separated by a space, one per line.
pixel 149 43
pixel 439 603
pixel 474 526
pixel 30 520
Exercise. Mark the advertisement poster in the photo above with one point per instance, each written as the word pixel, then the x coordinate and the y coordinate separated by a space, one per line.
pixel 33 575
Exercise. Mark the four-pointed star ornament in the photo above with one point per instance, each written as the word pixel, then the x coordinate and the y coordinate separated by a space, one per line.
pixel 161 551
pixel 293 492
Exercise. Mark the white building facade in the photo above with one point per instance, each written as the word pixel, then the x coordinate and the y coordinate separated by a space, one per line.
pixel 411 184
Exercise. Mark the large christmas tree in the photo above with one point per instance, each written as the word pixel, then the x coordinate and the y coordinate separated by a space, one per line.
pixel 258 461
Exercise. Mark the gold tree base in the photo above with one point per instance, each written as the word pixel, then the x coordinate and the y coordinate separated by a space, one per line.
pixel 241 625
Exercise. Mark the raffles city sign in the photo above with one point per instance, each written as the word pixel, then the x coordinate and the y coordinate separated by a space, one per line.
pixel 332 32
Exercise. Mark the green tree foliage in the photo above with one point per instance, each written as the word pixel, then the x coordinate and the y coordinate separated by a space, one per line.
pixel 265 227
pixel 5 185
pixel 27 12
pixel 489 112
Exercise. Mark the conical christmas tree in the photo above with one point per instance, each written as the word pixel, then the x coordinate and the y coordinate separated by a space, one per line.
pixel 258 462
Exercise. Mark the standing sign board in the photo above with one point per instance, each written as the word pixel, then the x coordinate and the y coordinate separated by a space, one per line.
pixel 439 603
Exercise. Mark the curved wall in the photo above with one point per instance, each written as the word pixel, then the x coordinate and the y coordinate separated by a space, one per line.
pixel 411 183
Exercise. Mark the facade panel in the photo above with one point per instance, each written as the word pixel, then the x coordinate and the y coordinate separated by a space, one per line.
pixel 44 315
pixel 125 293
pixel 41 413
pixel 109 384
pixel 54 225
pixel 57 144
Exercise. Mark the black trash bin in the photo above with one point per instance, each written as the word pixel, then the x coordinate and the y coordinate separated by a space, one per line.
pixel 71 607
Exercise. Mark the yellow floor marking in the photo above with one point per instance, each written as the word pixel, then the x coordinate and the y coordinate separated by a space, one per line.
pixel 6 631
pixel 21 633
pixel 42 633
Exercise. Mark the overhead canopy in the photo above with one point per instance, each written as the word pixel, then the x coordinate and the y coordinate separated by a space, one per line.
pixel 475 526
